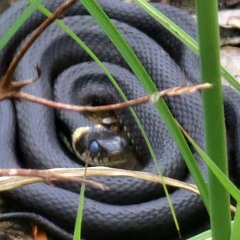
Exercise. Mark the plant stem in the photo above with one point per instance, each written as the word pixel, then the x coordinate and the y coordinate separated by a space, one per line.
pixel 213 115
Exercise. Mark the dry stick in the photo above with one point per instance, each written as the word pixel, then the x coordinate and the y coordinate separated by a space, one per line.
pixel 59 10
pixel 81 172
pixel 112 107
pixel 73 173
pixel 91 172
pixel 49 176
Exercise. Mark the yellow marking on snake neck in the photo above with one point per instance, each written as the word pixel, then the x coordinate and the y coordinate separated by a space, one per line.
pixel 78 133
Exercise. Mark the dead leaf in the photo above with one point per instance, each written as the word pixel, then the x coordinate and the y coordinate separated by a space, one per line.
pixel 38 233
pixel 226 17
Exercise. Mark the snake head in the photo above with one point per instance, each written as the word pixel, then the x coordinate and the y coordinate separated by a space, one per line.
pixel 100 146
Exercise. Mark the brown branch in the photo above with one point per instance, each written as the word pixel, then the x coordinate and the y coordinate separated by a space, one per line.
pixel 9 88
pixel 49 176
pixel 179 90
pixel 59 10
pixel 13 182
pixel 111 107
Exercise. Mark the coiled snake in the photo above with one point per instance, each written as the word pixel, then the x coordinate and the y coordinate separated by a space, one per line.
pixel 131 209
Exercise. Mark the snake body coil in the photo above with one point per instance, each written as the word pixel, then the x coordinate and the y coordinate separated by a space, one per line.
pixel 130 209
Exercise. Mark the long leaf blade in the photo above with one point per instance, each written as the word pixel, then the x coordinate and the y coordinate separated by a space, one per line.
pixel 20 21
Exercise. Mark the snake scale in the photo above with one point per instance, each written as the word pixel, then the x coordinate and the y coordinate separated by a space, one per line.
pixel 130 209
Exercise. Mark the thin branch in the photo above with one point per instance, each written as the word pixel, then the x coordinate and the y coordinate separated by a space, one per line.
pixel 112 107
pixel 13 181
pixel 59 10
pixel 179 90
pixel 48 176
pixel 58 173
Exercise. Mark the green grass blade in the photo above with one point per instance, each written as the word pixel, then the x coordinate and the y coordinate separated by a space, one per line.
pixel 206 235
pixel 214 122
pixel 182 36
pixel 235 226
pixel 202 236
pixel 20 21
pixel 230 79
pixel 227 184
pixel 134 63
pixel 78 224
pixel 169 25
pixel 222 178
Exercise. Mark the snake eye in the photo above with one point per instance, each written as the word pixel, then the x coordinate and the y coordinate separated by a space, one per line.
pixel 94 148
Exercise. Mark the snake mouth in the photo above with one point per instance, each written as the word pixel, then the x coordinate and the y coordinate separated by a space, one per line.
pixel 102 147
pixel 112 161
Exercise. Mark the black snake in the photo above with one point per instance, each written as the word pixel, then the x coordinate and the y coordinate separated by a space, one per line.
pixel 131 209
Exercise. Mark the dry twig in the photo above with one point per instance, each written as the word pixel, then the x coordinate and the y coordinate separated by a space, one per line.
pixel 8 88
pixel 112 107
pixel 16 181
pixel 45 176
pixel 20 177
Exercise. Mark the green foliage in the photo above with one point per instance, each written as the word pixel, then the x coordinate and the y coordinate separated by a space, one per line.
pixel 214 122
pixel 183 36
pixel 78 225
